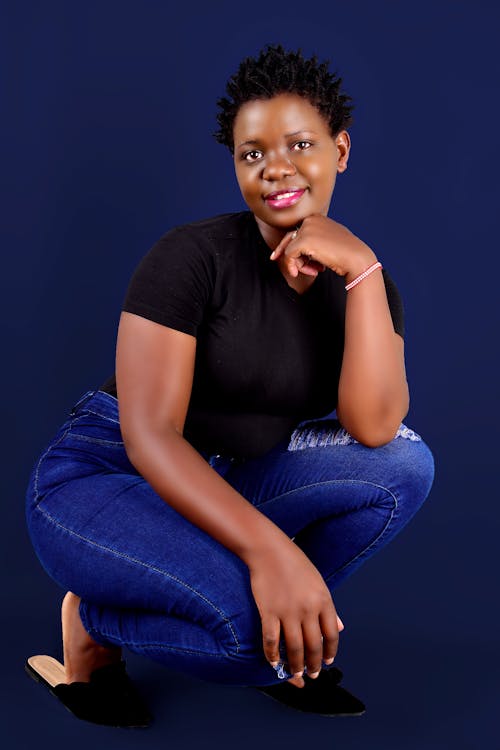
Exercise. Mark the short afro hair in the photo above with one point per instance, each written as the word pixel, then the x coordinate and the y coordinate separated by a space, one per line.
pixel 274 72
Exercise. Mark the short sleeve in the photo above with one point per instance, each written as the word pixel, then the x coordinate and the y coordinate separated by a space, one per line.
pixel 395 304
pixel 173 282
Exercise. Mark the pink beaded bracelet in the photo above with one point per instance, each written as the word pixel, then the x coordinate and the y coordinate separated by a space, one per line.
pixel 363 275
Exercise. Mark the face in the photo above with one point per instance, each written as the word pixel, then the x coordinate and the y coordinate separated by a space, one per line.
pixel 286 162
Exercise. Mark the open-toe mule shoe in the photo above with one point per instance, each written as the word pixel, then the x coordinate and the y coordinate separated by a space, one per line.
pixel 109 698
pixel 322 695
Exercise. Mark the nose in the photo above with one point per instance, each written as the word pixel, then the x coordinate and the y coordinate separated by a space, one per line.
pixel 277 166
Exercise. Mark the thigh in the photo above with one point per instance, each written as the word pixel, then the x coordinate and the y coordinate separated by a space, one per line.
pixel 325 472
pixel 104 533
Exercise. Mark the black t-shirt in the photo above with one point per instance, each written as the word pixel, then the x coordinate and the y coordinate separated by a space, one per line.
pixel 267 357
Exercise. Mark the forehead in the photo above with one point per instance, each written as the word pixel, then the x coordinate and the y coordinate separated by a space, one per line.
pixel 281 114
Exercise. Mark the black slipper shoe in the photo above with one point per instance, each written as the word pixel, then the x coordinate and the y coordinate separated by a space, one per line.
pixel 322 696
pixel 110 697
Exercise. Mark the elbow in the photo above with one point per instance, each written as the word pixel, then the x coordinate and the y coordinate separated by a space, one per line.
pixel 384 433
pixel 373 433
pixel 374 427
pixel 377 440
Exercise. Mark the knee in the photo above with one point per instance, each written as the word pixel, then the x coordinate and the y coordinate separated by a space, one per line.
pixel 414 468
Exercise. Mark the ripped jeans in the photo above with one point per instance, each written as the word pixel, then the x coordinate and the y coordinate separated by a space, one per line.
pixel 155 583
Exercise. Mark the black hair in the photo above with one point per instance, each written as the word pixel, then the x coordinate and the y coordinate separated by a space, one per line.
pixel 274 72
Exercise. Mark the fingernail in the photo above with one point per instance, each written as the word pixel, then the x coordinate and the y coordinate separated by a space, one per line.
pixel 329 661
pixel 299 674
pixel 314 675
pixel 274 663
pixel 272 255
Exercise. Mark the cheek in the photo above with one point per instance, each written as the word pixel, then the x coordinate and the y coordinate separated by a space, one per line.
pixel 246 184
pixel 240 181
pixel 319 169
pixel 321 177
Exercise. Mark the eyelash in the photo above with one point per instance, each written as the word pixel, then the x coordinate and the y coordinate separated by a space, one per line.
pixel 255 151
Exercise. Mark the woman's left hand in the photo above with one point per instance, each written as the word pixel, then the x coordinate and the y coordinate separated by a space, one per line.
pixel 323 243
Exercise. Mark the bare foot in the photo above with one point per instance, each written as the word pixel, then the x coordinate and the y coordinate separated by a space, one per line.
pixel 82 655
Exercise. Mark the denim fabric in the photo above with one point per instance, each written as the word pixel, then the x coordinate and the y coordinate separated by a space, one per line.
pixel 152 581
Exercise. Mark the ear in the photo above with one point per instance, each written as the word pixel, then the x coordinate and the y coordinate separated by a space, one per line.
pixel 343 143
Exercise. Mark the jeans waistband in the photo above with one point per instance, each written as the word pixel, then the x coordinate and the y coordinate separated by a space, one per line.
pixel 97 402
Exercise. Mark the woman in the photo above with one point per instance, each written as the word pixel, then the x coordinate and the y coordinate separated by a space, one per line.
pixel 202 505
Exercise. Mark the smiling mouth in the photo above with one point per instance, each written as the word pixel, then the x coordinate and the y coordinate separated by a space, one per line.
pixel 284 198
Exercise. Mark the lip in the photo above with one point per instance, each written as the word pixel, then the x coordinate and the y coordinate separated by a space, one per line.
pixel 290 197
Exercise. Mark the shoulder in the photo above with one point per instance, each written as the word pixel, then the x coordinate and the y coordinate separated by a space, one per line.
pixel 192 252
pixel 220 227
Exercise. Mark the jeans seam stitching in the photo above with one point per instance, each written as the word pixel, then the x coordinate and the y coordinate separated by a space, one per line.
pixel 165 646
pixel 110 550
pixel 97 414
pixel 354 481
pixel 321 484
pixel 42 457
pixel 362 552
pixel 100 441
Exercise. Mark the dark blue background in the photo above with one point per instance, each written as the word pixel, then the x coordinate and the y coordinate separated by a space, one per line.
pixel 108 111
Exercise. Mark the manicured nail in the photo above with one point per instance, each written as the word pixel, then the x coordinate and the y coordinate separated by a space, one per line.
pixel 272 255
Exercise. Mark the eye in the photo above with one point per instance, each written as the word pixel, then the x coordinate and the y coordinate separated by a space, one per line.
pixel 301 145
pixel 251 155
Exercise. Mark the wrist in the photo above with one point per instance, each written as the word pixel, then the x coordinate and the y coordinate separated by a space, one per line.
pixel 361 263
pixel 278 547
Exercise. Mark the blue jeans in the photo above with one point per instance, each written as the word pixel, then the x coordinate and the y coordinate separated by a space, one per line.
pixel 152 581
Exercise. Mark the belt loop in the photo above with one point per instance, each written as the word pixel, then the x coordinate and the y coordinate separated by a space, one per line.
pixel 86 397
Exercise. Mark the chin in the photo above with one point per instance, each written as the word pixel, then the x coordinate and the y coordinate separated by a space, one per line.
pixel 284 221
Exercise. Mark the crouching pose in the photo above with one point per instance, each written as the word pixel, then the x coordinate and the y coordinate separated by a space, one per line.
pixel 201 505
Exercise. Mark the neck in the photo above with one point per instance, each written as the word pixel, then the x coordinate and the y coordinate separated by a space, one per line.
pixel 272 235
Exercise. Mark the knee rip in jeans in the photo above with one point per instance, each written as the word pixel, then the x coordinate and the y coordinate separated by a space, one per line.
pixel 324 433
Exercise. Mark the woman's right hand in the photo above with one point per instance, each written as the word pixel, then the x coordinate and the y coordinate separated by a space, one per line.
pixel 292 597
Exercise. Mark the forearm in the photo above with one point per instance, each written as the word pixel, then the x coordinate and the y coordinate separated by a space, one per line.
pixel 184 480
pixel 373 393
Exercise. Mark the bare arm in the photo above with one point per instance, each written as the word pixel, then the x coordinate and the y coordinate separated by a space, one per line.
pixel 154 375
pixel 373 393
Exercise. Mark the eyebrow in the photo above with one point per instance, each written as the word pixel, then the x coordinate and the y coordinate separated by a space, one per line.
pixel 287 135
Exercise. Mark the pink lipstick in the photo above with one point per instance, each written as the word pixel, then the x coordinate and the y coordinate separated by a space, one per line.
pixel 284 198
